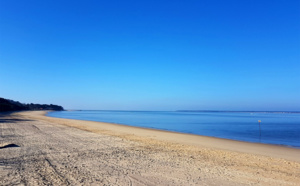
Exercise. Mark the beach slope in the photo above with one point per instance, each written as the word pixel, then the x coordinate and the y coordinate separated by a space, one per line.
pixel 40 150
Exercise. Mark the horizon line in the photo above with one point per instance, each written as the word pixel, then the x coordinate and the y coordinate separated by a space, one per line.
pixel 246 111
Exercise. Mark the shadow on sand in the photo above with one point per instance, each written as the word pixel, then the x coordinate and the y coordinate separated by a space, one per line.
pixel 4 120
pixel 9 146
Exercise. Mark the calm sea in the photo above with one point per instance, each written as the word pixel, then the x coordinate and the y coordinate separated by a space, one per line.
pixel 275 128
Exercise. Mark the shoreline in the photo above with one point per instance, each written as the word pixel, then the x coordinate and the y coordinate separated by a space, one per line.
pixel 269 150
pixel 39 150
pixel 162 130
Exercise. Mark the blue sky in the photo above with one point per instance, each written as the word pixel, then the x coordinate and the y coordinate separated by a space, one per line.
pixel 152 55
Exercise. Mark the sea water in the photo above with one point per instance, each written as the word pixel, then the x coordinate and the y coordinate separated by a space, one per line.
pixel 275 128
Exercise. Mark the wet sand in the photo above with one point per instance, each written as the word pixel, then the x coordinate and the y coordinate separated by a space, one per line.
pixel 40 150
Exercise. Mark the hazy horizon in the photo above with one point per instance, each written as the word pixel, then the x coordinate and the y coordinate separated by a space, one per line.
pixel 152 55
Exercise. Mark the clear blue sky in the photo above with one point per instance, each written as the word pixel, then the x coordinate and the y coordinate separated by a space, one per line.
pixel 152 55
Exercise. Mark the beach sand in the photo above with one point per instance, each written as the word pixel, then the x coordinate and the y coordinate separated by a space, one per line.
pixel 40 150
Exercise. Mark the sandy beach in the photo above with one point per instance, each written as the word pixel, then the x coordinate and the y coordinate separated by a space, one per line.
pixel 40 150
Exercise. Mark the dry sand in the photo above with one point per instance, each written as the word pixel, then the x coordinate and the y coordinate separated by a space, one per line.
pixel 40 150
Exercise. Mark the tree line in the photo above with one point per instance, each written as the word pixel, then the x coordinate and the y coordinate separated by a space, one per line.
pixel 11 105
